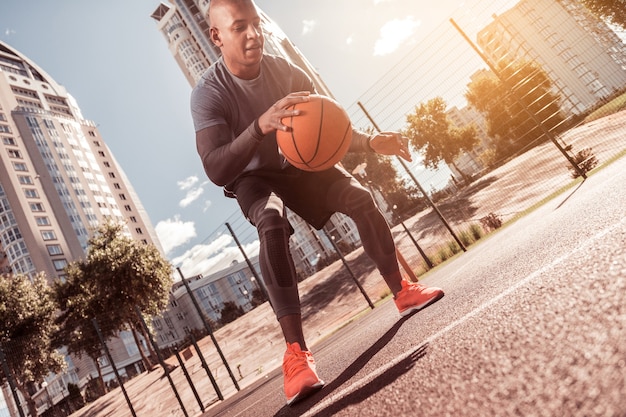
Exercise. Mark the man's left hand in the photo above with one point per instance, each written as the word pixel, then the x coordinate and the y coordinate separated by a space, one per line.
pixel 391 143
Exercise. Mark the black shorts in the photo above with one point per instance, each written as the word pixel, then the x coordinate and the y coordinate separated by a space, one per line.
pixel 305 193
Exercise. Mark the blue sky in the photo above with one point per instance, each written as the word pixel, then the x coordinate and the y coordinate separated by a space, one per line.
pixel 111 58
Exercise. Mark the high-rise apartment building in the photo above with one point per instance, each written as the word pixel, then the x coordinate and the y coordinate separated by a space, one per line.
pixel 58 178
pixel 58 182
pixel 185 27
pixel 584 58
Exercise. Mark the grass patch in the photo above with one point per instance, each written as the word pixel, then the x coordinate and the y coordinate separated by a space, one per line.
pixel 613 106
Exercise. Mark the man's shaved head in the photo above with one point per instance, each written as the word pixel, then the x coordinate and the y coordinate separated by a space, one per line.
pixel 235 28
pixel 215 7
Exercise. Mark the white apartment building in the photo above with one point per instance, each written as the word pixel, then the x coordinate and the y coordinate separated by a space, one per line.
pixel 58 182
pixel 584 58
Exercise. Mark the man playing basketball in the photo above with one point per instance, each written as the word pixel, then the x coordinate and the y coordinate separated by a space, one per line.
pixel 237 106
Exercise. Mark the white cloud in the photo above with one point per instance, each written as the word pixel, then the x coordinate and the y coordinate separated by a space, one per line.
pixel 207 205
pixel 187 183
pixel 9 32
pixel 349 40
pixel 192 195
pixel 174 232
pixel 308 26
pixel 207 259
pixel 393 33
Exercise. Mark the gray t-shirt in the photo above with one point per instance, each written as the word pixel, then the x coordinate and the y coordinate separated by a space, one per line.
pixel 222 98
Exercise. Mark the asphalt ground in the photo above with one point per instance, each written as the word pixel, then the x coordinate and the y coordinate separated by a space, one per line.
pixel 533 324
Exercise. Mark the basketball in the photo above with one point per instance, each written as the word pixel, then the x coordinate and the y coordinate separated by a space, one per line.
pixel 319 137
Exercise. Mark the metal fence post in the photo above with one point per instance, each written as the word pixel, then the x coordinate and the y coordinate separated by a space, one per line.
pixel 110 358
pixel 208 329
pixel 161 361
pixel 345 263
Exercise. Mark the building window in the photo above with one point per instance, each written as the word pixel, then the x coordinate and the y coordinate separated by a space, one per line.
pixel 31 193
pixel 139 231
pixel 111 174
pixel 101 153
pixel 20 166
pixel 9 141
pixel 42 221
pixel 36 207
pixel 54 250
pixel 117 186
pixel 122 197
pixel 48 235
pixel 127 208
pixel 14 153
pixel 59 264
pixel 25 179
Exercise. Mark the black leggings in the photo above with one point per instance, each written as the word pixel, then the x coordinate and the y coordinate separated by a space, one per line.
pixel 346 196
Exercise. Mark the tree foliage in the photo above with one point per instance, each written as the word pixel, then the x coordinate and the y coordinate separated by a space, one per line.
pixel 382 175
pixel 508 101
pixel 230 312
pixel 613 11
pixel 27 312
pixel 431 132
pixel 118 275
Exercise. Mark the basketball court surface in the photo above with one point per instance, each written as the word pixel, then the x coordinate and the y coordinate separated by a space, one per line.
pixel 533 323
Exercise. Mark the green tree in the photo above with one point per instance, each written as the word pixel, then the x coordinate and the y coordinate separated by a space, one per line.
pixel 27 313
pixel 431 132
pixel 230 312
pixel 118 275
pixel 507 105
pixel 78 301
pixel 613 11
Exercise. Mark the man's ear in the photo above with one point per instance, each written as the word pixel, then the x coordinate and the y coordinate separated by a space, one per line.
pixel 215 36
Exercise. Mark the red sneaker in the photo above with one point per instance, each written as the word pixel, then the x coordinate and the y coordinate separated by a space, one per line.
pixel 414 296
pixel 301 380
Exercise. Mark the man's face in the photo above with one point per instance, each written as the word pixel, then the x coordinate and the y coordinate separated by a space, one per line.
pixel 236 30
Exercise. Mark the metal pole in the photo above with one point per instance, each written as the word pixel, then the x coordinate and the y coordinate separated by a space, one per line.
pixel 110 358
pixel 189 381
pixel 9 377
pixel 428 262
pixel 245 256
pixel 206 367
pixel 161 361
pixel 426 196
pixel 356 281
pixel 534 118
pixel 208 329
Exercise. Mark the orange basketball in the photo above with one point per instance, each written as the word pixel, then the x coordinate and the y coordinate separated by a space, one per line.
pixel 319 137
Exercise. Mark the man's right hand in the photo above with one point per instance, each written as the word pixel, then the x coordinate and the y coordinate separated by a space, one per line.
pixel 271 120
